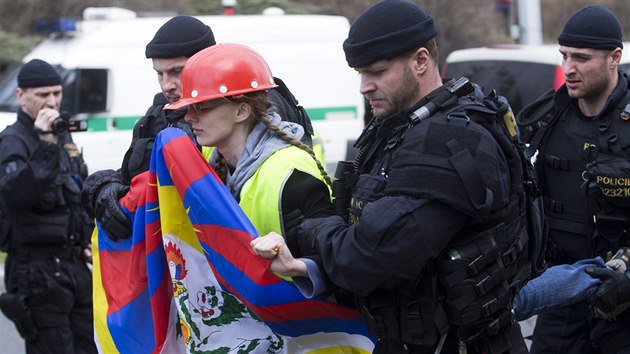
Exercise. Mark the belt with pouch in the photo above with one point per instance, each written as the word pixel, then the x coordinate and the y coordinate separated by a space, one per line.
pixel 46 254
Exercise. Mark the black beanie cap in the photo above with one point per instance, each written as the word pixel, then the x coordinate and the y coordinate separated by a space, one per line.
pixel 181 36
pixel 386 30
pixel 37 73
pixel 592 27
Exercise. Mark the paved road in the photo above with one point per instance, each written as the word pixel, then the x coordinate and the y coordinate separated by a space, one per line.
pixel 10 340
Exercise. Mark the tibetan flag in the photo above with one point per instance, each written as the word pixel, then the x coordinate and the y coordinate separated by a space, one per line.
pixel 187 280
pixel 134 310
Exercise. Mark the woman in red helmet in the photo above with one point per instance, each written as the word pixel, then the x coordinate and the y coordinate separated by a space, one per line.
pixel 257 155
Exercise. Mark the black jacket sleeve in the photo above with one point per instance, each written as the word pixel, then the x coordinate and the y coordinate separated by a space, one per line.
pixel 303 196
pixel 308 194
pixel 395 239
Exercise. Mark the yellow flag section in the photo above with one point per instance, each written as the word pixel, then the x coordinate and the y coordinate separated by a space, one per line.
pixel 102 337
pixel 133 309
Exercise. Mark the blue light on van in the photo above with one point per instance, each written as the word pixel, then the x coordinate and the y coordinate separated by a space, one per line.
pixel 48 25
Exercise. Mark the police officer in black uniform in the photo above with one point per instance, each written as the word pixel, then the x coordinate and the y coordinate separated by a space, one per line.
pixel 583 162
pixel 49 284
pixel 430 243
pixel 176 41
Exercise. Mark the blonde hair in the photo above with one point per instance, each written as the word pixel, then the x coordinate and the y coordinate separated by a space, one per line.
pixel 260 104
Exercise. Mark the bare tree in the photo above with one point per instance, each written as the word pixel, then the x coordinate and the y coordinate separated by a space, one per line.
pixel 556 12
pixel 19 16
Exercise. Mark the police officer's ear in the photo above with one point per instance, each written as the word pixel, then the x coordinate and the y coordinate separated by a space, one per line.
pixel 615 56
pixel 19 93
pixel 421 60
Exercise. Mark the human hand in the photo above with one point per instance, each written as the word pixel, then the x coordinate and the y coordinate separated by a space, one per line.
pixel 273 246
pixel 87 253
pixel 619 262
pixel 43 124
pixel 109 214
pixel 614 290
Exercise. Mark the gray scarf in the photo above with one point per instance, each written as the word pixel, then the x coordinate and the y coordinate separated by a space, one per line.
pixel 260 144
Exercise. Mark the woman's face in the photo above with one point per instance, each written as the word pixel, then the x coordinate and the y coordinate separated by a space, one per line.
pixel 213 122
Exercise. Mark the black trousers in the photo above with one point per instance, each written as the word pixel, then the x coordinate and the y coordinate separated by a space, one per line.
pixel 571 329
pixel 451 345
pixel 60 299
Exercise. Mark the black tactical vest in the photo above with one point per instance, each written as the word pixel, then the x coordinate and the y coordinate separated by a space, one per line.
pixel 484 265
pixel 575 155
pixel 57 218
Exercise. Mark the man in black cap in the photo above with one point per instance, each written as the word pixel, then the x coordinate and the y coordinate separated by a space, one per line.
pixel 409 236
pixel 49 284
pixel 176 41
pixel 583 160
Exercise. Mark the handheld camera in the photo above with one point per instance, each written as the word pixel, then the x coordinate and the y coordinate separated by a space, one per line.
pixel 65 124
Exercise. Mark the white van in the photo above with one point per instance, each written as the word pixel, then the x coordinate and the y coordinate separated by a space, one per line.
pixel 521 73
pixel 108 81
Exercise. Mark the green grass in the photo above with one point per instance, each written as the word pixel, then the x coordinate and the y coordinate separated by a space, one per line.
pixel 2 257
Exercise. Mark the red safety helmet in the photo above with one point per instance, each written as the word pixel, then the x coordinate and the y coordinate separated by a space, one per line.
pixel 223 70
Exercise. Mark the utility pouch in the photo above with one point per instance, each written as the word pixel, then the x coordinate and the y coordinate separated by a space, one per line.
pixel 474 279
pixel 43 229
pixel 537 233
pixel 5 229
pixel 611 232
pixel 368 189
pixel 16 308
pixel 422 317
pixel 381 314
pixel 608 186
pixel 467 261
pixel 341 188
pixel 608 181
pixel 612 227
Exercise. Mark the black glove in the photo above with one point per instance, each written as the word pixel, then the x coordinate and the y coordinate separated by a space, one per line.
pixel 93 185
pixel 109 214
pixel 614 290
pixel 292 221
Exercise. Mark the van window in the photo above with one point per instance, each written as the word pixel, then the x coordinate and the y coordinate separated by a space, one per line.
pixel 85 91
pixel 8 84
pixel 520 82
